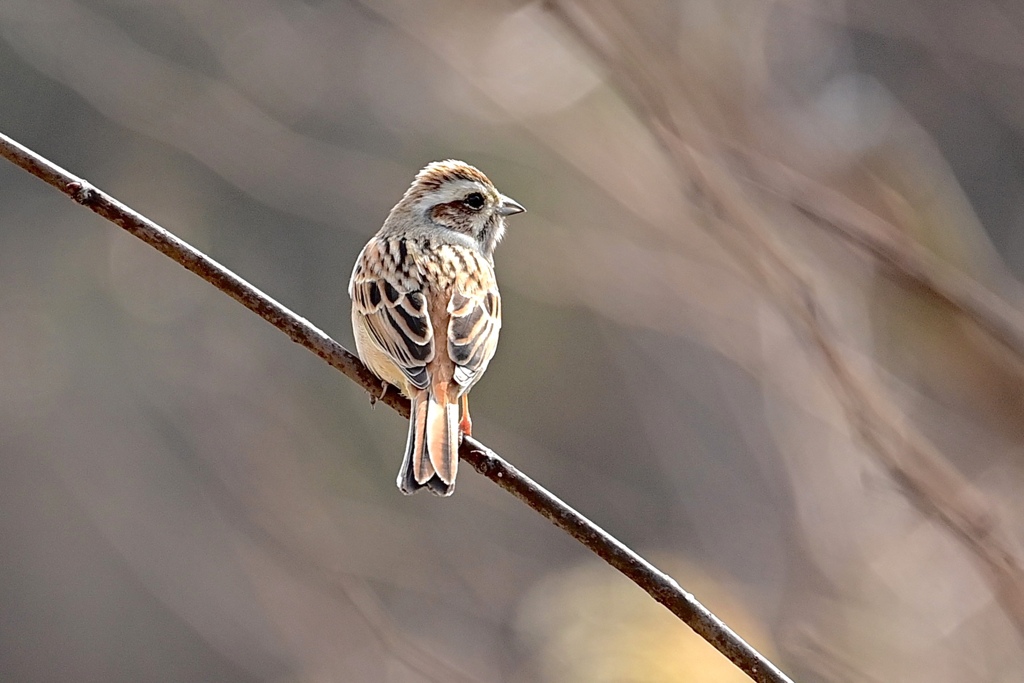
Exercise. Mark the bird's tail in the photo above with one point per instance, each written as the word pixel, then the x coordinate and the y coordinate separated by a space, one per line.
pixel 431 452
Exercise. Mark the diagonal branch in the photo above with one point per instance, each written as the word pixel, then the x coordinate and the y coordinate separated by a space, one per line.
pixel 658 585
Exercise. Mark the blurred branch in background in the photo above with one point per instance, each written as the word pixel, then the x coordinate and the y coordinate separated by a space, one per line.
pixel 905 259
pixel 658 90
pixel 657 584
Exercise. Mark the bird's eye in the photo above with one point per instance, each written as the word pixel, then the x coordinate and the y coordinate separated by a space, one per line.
pixel 474 201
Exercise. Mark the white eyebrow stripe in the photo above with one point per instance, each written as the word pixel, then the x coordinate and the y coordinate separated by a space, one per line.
pixel 453 190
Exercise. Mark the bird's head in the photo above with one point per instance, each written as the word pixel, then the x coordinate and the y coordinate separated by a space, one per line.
pixel 456 196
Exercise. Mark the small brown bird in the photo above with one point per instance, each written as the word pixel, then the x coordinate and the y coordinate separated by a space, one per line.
pixel 426 310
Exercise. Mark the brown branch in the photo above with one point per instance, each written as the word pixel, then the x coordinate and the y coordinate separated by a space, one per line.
pixel 647 80
pixel 658 585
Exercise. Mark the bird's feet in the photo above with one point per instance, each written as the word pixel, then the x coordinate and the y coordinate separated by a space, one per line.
pixel 383 393
pixel 466 424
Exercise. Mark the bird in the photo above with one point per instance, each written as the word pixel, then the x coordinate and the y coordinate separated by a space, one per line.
pixel 426 311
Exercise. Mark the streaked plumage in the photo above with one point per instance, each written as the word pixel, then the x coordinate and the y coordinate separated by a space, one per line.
pixel 426 310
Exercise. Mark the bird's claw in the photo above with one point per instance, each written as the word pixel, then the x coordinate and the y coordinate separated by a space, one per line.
pixel 383 393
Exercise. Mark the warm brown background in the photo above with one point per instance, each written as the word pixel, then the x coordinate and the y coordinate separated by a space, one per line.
pixel 187 496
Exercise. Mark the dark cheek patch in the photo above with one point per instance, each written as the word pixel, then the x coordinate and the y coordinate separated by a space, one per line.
pixel 453 216
pixel 441 213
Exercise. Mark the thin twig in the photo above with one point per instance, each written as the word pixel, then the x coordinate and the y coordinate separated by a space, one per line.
pixel 658 585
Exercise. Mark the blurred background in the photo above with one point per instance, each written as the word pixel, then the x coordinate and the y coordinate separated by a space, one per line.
pixel 185 495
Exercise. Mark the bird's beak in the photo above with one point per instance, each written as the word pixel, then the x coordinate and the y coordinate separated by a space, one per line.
pixel 509 206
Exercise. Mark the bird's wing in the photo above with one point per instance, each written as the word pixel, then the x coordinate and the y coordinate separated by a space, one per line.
pixel 475 310
pixel 394 307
